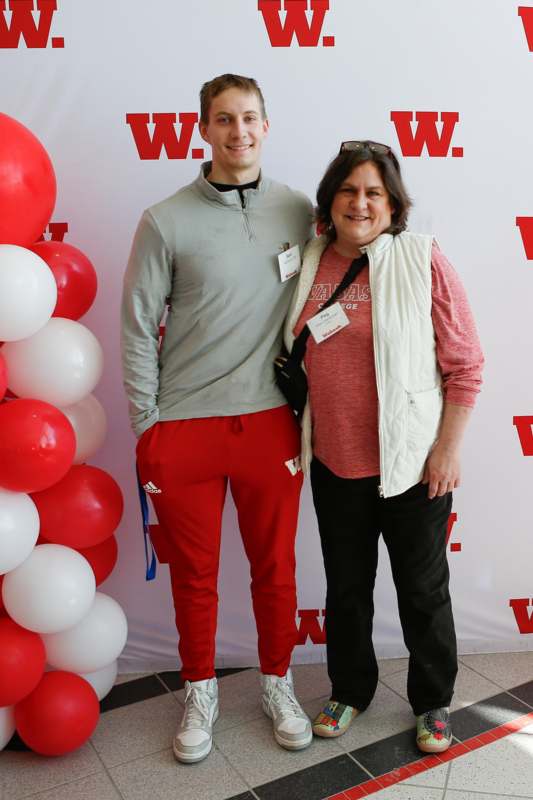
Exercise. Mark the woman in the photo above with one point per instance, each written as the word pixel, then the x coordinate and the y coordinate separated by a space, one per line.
pixel 389 398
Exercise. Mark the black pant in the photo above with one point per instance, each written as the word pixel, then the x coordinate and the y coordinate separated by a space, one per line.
pixel 351 516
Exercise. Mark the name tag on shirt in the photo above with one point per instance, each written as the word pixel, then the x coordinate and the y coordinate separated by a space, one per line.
pixel 328 322
pixel 290 263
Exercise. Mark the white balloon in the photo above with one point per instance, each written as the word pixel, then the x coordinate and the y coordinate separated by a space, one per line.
pixel 7 724
pixel 96 641
pixel 89 421
pixel 103 679
pixel 19 528
pixel 28 292
pixel 51 591
pixel 60 364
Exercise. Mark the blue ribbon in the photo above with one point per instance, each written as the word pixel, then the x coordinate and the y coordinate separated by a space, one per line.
pixel 150 565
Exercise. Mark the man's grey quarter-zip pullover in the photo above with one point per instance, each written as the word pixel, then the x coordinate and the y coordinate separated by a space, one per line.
pixel 216 261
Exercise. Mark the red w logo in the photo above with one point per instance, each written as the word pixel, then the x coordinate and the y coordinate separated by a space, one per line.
pixel 523 426
pixel 309 627
pixel 524 619
pixel 526 229
pixel 23 24
pixel 296 22
pixel 426 133
pixel 455 547
pixel 164 135
pixel 527 19
pixel 56 231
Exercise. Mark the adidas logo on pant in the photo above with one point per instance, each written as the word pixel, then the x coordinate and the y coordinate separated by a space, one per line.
pixel 151 488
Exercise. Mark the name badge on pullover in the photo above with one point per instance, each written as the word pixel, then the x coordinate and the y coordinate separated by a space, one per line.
pixel 290 263
pixel 328 322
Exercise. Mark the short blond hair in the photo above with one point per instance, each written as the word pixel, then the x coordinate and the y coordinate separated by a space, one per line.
pixel 213 88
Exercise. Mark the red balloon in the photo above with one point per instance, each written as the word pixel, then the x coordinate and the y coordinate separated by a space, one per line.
pixel 27 184
pixel 37 445
pixel 3 377
pixel 22 660
pixel 102 558
pixel 75 277
pixel 59 715
pixel 81 510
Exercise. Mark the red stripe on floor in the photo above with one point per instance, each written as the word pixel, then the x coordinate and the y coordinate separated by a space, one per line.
pixel 517 724
pixel 363 790
pixel 454 751
pixel 423 764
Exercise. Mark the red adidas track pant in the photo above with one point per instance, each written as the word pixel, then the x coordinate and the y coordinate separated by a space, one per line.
pixel 191 462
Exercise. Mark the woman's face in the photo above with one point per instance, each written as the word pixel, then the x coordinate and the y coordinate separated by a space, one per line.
pixel 361 209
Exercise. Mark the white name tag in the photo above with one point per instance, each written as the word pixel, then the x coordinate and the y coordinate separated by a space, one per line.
pixel 328 322
pixel 290 263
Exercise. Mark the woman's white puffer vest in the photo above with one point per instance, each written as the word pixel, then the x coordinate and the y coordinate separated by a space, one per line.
pixel 407 373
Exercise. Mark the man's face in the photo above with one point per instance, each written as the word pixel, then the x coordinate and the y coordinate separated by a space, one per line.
pixel 235 131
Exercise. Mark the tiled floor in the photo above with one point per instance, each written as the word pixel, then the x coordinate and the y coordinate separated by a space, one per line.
pixel 129 755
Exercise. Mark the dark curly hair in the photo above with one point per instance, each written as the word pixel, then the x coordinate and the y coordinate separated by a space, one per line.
pixel 342 166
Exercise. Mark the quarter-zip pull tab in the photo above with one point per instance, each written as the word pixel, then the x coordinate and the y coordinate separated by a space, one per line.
pixel 247 225
pixel 380 490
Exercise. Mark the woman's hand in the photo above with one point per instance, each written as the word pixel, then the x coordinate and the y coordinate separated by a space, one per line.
pixel 442 471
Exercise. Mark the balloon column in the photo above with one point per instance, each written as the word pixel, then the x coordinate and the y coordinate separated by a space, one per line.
pixel 57 514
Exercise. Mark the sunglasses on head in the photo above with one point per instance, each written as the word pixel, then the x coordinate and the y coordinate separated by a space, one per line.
pixel 375 147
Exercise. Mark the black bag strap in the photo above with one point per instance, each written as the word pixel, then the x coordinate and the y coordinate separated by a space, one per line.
pixel 300 343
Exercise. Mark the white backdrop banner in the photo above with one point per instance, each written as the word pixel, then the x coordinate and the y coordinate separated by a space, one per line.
pixel 111 89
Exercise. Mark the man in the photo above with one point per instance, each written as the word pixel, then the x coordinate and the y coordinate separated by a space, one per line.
pixel 206 407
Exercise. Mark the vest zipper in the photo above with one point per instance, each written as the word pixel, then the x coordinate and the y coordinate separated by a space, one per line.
pixel 376 365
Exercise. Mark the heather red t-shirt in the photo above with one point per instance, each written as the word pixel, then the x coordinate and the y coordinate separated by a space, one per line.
pixel 341 371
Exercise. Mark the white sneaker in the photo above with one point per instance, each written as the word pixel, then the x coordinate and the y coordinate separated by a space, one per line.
pixel 292 726
pixel 194 737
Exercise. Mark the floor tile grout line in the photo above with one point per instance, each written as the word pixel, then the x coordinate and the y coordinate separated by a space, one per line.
pixel 496 795
pixel 496 685
pixel 471 705
pixel 477 672
pixel 134 702
pixel 446 780
pixel 139 758
pixel 160 679
pixel 510 692
pixel 177 700
pixel 237 724
pixel 303 770
pixel 405 699
pixel 372 777
pixel 393 783
pixel 59 785
pixel 106 770
pixel 481 675
pixel 234 769
pixel 396 672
